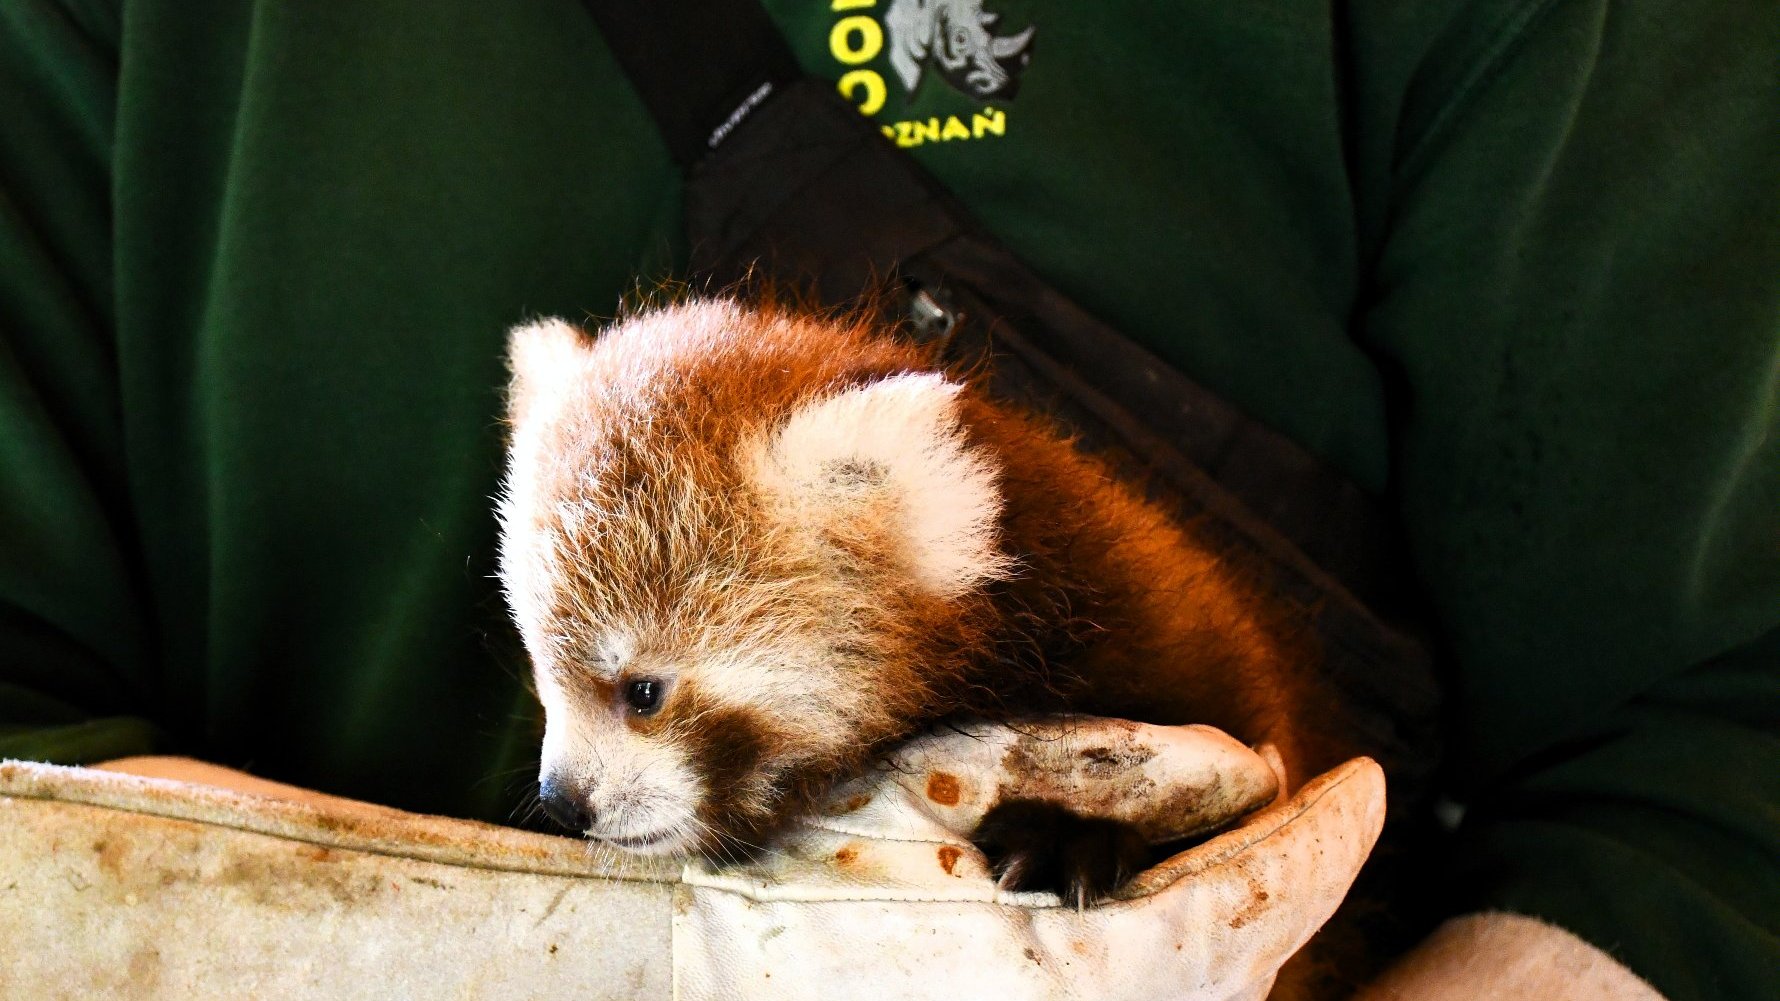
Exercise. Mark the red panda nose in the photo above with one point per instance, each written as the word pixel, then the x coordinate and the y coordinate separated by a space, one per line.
pixel 565 804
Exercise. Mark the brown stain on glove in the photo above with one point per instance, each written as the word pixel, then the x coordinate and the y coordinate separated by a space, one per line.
pixel 942 788
pixel 948 858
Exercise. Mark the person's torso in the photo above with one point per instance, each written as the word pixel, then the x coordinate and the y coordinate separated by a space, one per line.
pixel 328 215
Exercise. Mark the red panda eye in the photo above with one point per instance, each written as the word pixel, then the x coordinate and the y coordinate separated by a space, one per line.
pixel 644 695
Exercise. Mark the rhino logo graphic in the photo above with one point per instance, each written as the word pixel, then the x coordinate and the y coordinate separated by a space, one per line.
pixel 954 36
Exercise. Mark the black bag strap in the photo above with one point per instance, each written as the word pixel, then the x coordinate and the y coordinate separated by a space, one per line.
pixel 700 66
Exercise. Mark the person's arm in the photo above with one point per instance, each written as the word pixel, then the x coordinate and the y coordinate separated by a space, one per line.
pixel 1501 956
pixel 76 661
pixel 1575 230
pixel 203 773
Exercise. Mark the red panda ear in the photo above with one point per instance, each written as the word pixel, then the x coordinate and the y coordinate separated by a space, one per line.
pixel 890 452
pixel 544 356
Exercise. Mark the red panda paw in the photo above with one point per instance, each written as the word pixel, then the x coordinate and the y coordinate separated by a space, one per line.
pixel 1036 845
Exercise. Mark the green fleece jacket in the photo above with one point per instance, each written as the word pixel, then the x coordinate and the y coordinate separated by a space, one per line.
pixel 1514 265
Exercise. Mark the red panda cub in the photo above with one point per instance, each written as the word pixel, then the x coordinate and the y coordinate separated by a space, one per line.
pixel 749 549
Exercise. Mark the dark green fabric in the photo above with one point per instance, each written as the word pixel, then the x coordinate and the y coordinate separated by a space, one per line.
pixel 1513 265
pixel 1675 793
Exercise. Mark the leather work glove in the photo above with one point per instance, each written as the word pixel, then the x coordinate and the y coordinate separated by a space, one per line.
pixel 205 882
pixel 882 895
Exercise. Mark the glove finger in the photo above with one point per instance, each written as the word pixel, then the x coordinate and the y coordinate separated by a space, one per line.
pixel 1167 782
pixel 1214 923
pixel 1233 910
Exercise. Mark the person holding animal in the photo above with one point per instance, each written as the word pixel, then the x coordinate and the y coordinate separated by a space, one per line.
pixel 1507 267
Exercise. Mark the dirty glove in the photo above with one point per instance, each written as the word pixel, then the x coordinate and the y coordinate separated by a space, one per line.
pixel 146 888
pixel 883 895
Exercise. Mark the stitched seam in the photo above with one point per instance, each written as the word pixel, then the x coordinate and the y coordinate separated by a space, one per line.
pixel 881 837
pixel 750 892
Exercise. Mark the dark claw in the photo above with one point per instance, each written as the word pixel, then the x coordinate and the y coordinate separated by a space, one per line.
pixel 1034 845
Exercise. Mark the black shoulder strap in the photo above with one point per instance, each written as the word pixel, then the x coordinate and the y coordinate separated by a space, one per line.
pixel 700 66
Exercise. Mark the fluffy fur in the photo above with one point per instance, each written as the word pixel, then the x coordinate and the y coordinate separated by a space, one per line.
pixel 815 540
pixel 812 540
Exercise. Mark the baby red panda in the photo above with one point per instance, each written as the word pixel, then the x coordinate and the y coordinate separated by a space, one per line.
pixel 749 549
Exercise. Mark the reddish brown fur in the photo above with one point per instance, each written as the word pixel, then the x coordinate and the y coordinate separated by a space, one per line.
pixel 1115 608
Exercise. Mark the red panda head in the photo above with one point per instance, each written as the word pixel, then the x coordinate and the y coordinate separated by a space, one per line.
pixel 745 549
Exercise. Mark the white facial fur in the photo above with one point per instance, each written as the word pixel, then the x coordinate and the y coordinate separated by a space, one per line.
pixel 647 786
pixel 643 793
pixel 889 455
pixel 545 356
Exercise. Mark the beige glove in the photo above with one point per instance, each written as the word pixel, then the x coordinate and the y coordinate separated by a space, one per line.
pixel 882 896
pixel 134 887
